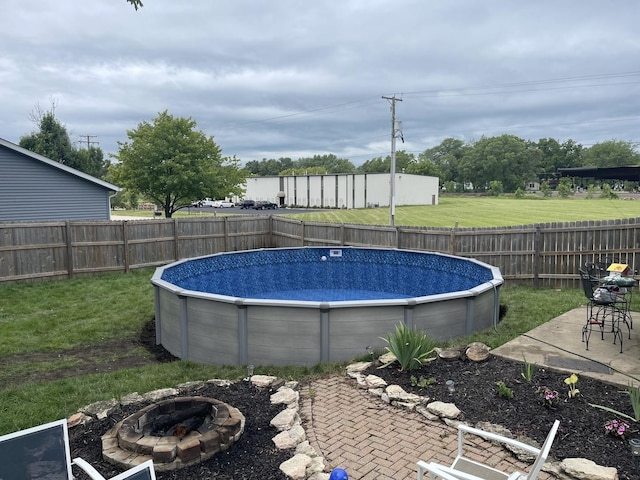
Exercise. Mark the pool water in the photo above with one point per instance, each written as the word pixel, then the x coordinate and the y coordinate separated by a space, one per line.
pixel 316 275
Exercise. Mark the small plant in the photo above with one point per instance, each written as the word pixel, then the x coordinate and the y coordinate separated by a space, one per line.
pixel 616 428
pixel 572 381
pixel 422 382
pixel 504 391
pixel 528 369
pixel 547 397
pixel 410 347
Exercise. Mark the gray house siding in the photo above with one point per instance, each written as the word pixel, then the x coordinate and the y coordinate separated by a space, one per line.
pixel 33 188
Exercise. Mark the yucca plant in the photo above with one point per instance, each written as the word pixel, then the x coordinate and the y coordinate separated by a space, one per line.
pixel 410 347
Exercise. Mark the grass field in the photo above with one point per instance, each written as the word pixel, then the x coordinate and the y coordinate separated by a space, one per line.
pixel 466 211
pixel 485 212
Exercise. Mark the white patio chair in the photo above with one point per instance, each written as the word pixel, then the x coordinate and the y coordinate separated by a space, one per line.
pixel 463 468
pixel 45 449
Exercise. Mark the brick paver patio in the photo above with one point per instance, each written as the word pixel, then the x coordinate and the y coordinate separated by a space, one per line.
pixel 372 440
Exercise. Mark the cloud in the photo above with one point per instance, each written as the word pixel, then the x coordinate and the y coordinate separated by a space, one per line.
pixel 293 78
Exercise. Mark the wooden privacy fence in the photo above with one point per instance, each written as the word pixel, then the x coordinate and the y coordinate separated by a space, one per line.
pixel 538 255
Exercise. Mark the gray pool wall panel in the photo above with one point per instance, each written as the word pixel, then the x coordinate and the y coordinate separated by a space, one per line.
pixel 228 330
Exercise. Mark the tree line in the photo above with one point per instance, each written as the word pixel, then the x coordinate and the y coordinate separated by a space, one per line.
pixel 507 159
pixel 170 162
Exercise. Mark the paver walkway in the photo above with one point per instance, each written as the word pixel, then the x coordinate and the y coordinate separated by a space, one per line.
pixel 372 440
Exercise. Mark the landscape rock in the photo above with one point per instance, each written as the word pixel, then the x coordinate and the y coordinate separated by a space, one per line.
pixel 157 395
pixel 306 448
pixel 477 352
pixel 286 419
pixel 290 438
pixel 296 467
pixel 317 466
pixel 285 396
pixel 183 387
pixel 102 409
pixel 131 399
pixel 449 354
pixel 263 381
pixel 362 383
pixel 376 391
pixel 444 410
pixel 358 367
pixel 76 419
pixel 424 411
pixel 373 381
pixel 584 469
pixel 398 394
pixel 319 476
pixel 387 358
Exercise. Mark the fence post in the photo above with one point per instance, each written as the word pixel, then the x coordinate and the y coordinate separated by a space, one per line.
pixel 225 230
pixel 67 226
pixel 537 257
pixel 125 245
pixel 302 235
pixel 176 239
pixel 452 241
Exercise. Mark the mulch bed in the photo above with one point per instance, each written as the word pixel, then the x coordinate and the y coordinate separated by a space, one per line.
pixel 253 456
pixel 581 432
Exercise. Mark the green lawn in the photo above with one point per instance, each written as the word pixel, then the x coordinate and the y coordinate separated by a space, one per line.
pixel 468 211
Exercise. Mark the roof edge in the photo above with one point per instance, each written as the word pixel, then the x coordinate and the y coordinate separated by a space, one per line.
pixel 58 165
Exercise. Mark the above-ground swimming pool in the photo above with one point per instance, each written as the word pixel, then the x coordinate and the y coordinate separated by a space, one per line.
pixel 303 306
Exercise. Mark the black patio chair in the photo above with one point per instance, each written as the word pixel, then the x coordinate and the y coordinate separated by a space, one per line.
pixel 603 304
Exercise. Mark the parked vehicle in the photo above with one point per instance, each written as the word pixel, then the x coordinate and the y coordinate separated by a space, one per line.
pixel 247 204
pixel 265 205
pixel 207 202
pixel 223 204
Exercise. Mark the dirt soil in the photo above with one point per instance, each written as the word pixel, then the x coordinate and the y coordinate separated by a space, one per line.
pixel 581 432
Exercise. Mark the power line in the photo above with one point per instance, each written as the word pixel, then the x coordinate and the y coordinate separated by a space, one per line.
pixel 88 140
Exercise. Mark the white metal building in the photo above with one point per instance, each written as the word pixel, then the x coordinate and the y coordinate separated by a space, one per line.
pixel 360 190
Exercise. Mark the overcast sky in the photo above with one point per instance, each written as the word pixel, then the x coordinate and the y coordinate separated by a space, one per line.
pixel 285 78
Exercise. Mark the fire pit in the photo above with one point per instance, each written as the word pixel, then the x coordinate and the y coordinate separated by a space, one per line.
pixel 173 433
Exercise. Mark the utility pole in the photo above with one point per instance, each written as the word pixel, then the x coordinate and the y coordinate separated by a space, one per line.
pixel 394 130
pixel 89 142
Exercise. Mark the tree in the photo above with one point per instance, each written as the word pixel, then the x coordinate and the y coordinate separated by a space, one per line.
pixel 91 161
pixel 446 157
pixel 564 187
pixel 375 165
pixel 52 141
pixel 554 155
pixel 331 163
pixel 612 153
pixel 383 165
pixel 507 158
pixel 304 171
pixel 136 3
pixel 171 163
pixel 268 167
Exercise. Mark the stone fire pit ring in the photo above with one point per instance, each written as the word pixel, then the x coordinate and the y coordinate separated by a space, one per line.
pixel 161 432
